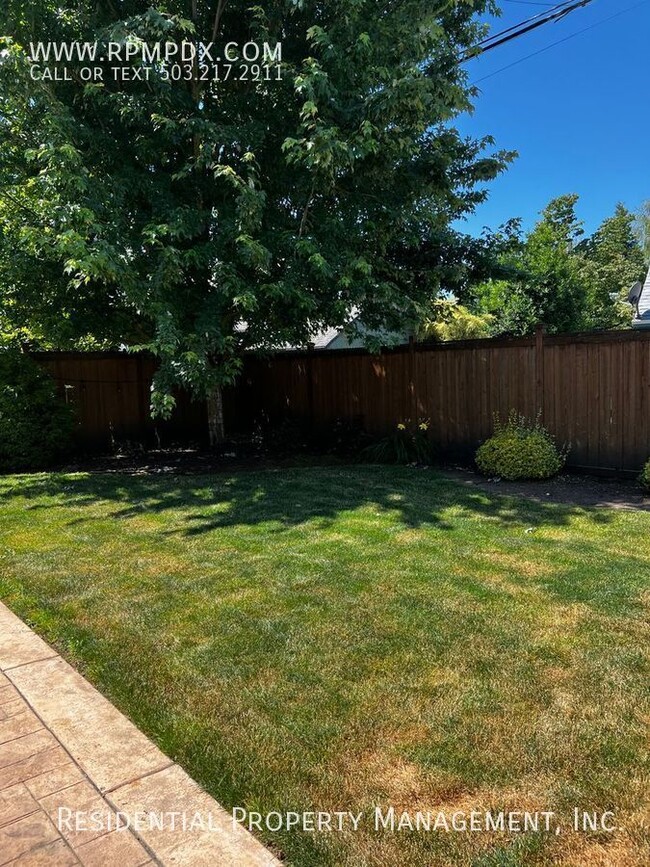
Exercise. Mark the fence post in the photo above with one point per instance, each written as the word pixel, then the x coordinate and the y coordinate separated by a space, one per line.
pixel 539 369
pixel 310 385
pixel 412 375
pixel 142 408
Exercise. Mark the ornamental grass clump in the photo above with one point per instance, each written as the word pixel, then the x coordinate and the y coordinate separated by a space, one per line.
pixel 520 449
pixel 406 445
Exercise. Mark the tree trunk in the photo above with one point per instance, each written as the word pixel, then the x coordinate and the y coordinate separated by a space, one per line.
pixel 216 429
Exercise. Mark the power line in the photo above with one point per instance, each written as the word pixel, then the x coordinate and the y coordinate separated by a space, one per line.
pixel 538 17
pixel 561 41
pixel 556 13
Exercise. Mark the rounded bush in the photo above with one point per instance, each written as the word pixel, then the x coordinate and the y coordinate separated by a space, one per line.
pixel 520 449
pixel 644 478
pixel 36 426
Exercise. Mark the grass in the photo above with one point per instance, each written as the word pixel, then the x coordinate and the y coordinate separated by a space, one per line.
pixel 340 638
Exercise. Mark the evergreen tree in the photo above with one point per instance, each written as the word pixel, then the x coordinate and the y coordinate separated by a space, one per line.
pixel 566 283
pixel 613 262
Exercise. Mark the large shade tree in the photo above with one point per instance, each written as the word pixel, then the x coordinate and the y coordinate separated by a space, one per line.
pixel 201 217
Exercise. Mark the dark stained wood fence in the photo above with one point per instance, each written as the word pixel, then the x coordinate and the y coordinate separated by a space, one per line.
pixel 592 391
pixel 111 394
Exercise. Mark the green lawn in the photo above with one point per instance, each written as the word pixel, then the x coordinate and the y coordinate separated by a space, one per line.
pixel 340 638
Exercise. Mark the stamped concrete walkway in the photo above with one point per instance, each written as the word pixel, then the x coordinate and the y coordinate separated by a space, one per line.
pixel 65 751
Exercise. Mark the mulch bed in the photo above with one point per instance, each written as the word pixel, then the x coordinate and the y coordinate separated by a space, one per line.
pixel 189 462
pixel 571 488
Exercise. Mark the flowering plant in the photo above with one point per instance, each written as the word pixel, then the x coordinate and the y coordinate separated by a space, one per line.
pixel 520 449
pixel 408 444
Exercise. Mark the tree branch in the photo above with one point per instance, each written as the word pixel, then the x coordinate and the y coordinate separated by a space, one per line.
pixel 23 207
pixel 303 222
pixel 221 5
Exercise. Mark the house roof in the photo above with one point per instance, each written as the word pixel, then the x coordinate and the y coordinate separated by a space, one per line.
pixel 322 339
pixel 338 338
pixel 319 339
pixel 643 319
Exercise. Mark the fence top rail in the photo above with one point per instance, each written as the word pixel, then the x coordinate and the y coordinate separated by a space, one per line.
pixel 93 354
pixel 630 335
pixel 486 343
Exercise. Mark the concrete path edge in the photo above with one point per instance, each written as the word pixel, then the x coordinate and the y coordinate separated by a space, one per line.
pixel 63 743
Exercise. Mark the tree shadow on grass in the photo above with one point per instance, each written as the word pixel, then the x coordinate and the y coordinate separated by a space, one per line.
pixel 277 501
pixel 286 498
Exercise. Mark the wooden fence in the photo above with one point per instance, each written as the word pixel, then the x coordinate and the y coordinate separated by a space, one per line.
pixel 111 394
pixel 591 390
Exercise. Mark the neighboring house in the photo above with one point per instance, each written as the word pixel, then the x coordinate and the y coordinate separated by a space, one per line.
pixel 336 338
pixel 642 305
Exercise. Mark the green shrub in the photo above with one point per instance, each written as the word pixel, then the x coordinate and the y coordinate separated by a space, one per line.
pixel 644 478
pixel 404 446
pixel 36 426
pixel 520 449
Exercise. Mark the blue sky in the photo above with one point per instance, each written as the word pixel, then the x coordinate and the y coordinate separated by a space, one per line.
pixel 578 114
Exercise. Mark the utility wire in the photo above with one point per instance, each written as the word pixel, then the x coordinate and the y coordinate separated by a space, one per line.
pixel 554 14
pixel 550 11
pixel 561 41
